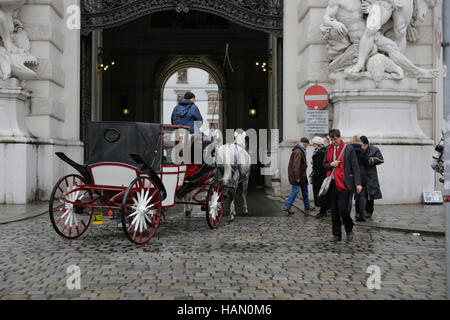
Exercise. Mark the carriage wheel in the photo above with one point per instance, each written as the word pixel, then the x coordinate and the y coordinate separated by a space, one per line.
pixel 214 205
pixel 141 210
pixel 68 219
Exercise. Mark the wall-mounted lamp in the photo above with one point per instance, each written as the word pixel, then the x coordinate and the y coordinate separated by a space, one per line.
pixel 263 65
pixel 125 111
pixel 253 111
pixel 101 65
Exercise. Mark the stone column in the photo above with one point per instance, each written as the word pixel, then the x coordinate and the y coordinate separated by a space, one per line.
pixel 17 146
pixel 41 116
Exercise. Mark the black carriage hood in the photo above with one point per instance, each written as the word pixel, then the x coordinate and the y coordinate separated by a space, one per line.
pixel 115 141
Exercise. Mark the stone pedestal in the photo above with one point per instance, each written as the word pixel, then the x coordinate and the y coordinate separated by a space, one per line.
pixel 18 163
pixel 388 117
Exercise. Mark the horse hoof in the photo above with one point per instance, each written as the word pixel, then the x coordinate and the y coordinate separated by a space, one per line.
pixel 188 214
pixel 232 219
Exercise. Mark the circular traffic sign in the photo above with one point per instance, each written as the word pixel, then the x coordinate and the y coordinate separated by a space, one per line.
pixel 316 98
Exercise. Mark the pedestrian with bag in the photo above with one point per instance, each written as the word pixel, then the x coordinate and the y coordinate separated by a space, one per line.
pixel 298 177
pixel 373 191
pixel 318 175
pixel 343 179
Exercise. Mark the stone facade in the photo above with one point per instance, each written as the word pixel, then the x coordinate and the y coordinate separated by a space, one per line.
pixel 49 120
pixel 51 115
pixel 406 172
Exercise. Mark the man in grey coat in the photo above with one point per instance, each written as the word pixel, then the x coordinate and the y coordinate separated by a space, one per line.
pixel 373 185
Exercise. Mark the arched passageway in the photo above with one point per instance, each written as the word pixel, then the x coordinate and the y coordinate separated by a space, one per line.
pixel 143 53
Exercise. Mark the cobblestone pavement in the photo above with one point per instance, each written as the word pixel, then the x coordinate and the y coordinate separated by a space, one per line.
pixel 408 217
pixel 256 257
pixel 9 213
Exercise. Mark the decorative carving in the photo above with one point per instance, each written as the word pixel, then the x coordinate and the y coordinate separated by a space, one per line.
pixel 263 15
pixel 355 35
pixel 15 59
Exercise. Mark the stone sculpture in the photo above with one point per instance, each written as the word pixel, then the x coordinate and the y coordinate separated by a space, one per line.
pixel 15 59
pixel 355 31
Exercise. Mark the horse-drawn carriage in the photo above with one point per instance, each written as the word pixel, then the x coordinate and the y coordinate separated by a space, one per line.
pixel 131 172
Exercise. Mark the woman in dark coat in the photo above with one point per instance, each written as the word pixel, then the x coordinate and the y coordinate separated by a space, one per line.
pixel 363 161
pixel 373 191
pixel 318 175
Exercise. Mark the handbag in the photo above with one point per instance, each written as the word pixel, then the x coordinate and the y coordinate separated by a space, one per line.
pixel 327 182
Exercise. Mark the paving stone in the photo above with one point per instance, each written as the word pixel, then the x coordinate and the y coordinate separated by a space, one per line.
pixel 256 257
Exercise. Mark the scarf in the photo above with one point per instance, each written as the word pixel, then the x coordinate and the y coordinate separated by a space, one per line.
pixel 339 173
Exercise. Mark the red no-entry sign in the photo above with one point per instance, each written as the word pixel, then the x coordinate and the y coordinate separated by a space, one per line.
pixel 316 98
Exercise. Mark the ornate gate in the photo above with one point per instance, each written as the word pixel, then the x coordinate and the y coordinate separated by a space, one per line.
pixel 262 15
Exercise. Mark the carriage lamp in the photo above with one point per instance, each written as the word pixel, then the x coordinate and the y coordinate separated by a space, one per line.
pixel 253 112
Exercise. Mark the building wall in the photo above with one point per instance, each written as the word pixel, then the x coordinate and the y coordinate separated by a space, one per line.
pixel 306 63
pixel 53 117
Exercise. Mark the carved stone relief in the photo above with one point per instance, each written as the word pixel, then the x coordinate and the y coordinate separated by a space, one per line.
pixel 367 39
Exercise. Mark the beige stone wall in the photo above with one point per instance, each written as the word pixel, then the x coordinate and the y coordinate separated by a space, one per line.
pixel 54 114
pixel 306 62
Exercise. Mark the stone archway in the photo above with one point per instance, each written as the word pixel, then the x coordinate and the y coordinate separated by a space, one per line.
pixel 175 63
pixel 262 15
pixel 98 15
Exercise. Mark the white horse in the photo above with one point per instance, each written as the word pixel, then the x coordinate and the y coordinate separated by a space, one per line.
pixel 236 163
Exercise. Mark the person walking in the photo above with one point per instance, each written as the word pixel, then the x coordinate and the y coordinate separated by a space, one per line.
pixel 373 191
pixel 326 142
pixel 297 176
pixel 318 175
pixel 186 113
pixel 363 161
pixel 347 179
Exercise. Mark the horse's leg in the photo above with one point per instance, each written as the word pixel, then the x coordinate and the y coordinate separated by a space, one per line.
pixel 232 206
pixel 187 207
pixel 245 194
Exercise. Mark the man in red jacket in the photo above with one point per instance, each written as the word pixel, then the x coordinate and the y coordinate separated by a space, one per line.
pixel 347 180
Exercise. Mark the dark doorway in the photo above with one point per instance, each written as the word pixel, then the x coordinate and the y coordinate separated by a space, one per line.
pixel 139 51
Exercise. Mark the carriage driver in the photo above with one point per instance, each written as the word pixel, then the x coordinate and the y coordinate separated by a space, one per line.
pixel 187 114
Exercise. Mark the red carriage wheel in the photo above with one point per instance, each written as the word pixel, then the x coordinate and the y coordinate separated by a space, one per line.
pixel 214 205
pixel 70 210
pixel 141 210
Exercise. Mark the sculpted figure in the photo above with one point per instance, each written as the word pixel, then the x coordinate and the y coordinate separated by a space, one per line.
pixel 15 59
pixel 352 39
pixel 7 12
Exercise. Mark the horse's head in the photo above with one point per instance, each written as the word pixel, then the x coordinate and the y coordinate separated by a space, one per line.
pixel 421 8
pixel 239 139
